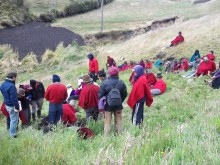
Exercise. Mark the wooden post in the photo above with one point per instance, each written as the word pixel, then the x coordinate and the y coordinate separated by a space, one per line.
pixel 102 15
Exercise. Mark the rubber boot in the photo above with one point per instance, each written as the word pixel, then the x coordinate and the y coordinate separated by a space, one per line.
pixel 33 117
pixel 39 114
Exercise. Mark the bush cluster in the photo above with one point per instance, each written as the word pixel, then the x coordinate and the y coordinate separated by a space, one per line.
pixel 76 7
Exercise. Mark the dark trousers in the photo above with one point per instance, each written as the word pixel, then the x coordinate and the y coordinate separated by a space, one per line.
pixel 138 113
pixel 93 76
pixel 27 114
pixel 92 114
pixel 55 112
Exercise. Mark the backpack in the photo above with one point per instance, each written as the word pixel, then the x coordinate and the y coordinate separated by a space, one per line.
pixel 114 97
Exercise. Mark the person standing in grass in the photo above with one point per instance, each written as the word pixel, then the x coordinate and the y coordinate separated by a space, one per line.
pixel 9 93
pixel 37 99
pixel 56 94
pixel 88 98
pixel 112 107
pixel 139 95
pixel 93 67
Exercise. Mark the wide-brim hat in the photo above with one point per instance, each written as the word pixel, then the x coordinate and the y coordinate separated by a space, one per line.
pixel 87 79
pixel 159 75
pixel 101 73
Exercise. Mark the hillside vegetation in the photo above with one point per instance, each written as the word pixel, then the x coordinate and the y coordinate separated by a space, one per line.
pixel 181 127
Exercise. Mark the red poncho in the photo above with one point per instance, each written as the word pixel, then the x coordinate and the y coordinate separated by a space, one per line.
pixel 88 97
pixel 161 85
pixel 151 78
pixel 148 65
pixel 93 65
pixel 210 56
pixel 206 67
pixel 184 65
pixel 140 90
pixel 131 79
pixel 178 40
pixel 68 117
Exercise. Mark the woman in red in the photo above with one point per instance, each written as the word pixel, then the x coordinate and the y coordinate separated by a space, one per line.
pixel 184 66
pixel 148 64
pixel 159 87
pixel 177 40
pixel 139 95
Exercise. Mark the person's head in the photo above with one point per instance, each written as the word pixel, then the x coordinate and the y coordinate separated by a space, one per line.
pixel 180 33
pixel 196 52
pixel 12 76
pixel 72 103
pixel 68 86
pixel 55 78
pixel 138 71
pixel 212 52
pixel 102 74
pixel 125 63
pixel 113 71
pixel 108 57
pixel 33 83
pixel 90 56
pixel 206 59
pixel 148 71
pixel 21 92
pixel 147 60
pixel 131 63
pixel 87 79
pixel 159 75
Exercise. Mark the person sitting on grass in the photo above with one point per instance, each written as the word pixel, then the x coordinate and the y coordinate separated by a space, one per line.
pixel 184 66
pixel 176 66
pixel 205 67
pixel 159 87
pixel 68 117
pixel 179 39
pixel 196 54
pixel 196 64
pixel 139 95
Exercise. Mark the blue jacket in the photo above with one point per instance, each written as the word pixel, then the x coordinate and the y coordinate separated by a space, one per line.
pixel 193 57
pixel 9 93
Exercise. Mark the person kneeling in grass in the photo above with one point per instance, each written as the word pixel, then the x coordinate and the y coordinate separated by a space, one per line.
pixel 140 94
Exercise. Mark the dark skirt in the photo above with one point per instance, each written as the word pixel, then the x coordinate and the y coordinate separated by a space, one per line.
pixel 216 83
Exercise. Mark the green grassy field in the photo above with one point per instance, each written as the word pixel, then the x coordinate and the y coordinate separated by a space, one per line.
pixel 181 127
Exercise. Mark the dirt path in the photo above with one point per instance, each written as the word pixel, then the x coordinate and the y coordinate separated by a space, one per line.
pixel 37 37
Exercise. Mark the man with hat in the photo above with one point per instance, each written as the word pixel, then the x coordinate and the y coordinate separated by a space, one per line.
pixel 88 98
pixel 9 93
pixel 56 94
pixel 159 87
pixel 113 82
pixel 139 95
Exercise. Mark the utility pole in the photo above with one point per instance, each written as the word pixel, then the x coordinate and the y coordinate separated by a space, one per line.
pixel 102 2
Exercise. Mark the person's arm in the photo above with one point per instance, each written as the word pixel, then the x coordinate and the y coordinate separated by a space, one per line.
pixel 124 92
pixel 14 97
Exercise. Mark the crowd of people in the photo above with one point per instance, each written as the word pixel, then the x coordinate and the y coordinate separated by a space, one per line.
pixel 100 101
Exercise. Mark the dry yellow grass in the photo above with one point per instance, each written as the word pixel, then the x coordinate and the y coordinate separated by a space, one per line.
pixel 202 33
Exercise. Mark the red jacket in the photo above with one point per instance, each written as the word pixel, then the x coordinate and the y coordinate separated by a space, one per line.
pixel 210 56
pixel 88 97
pixel 150 78
pixel 148 65
pixel 93 65
pixel 68 117
pixel 184 65
pixel 140 90
pixel 160 84
pixel 6 114
pixel 131 79
pixel 178 40
pixel 56 93
pixel 206 67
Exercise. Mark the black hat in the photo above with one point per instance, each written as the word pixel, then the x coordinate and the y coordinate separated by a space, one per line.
pixel 159 75
pixel 55 78
pixel 102 73
pixel 11 75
